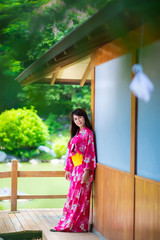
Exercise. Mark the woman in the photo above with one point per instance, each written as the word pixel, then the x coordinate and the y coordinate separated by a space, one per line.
pixel 79 169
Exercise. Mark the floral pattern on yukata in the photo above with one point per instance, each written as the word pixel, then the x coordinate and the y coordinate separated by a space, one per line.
pixel 75 216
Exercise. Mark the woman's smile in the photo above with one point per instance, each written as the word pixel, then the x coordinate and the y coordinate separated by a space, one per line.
pixel 79 121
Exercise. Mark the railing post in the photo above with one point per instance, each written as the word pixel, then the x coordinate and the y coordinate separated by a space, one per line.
pixel 14 175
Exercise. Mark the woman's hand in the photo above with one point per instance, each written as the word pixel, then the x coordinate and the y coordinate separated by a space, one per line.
pixel 85 176
pixel 67 175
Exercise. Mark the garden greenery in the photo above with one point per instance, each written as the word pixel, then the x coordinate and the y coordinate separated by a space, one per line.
pixel 53 124
pixel 22 130
pixel 60 147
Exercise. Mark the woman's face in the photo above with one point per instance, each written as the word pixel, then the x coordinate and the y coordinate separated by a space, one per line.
pixel 79 121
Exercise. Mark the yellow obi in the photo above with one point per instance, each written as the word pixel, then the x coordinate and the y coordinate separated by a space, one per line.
pixel 77 159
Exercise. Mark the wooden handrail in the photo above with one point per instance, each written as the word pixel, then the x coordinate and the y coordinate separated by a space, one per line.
pixel 14 174
pixel 40 196
pixel 34 174
pixel 40 173
pixel 5 174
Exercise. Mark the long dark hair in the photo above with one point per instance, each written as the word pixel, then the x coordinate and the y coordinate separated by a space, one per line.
pixel 74 127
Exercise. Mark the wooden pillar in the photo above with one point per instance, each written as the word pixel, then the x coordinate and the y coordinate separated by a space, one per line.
pixel 93 97
pixel 93 126
pixel 133 151
pixel 14 175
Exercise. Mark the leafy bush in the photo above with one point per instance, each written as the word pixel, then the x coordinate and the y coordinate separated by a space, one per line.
pixel 60 147
pixel 44 157
pixel 26 153
pixel 53 124
pixel 21 130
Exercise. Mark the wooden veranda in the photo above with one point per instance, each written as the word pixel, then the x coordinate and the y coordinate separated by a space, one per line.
pixel 38 219
pixel 20 220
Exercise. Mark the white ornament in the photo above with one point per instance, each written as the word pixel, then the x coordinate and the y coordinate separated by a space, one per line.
pixel 141 85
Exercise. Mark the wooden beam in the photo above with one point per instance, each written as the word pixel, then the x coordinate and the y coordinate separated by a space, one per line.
pixel 5 174
pixel 54 76
pixel 86 73
pixel 41 173
pixel 5 198
pixel 40 196
pixel 65 81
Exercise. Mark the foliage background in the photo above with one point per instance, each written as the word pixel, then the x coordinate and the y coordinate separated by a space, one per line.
pixel 28 28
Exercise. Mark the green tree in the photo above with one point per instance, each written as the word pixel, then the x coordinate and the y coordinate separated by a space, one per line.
pixel 28 28
pixel 59 99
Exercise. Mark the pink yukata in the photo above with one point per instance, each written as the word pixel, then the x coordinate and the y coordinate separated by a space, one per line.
pixel 75 216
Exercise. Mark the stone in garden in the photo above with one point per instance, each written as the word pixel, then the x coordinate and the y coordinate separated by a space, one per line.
pixel 24 159
pixel 34 161
pixel 54 161
pixel 9 165
pixel 9 158
pixel 3 156
pixel 47 150
pixel 7 192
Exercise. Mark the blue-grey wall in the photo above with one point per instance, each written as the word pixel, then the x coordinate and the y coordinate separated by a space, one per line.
pixel 112 112
pixel 148 148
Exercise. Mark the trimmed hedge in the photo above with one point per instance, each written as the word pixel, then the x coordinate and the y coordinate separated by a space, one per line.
pixel 21 129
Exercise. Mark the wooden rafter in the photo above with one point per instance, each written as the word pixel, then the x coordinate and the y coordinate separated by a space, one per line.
pixel 49 70
pixel 86 73
pixel 54 76
pixel 66 81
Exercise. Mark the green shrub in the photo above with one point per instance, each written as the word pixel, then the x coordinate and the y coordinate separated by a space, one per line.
pixel 26 153
pixel 53 124
pixel 60 147
pixel 21 130
pixel 44 157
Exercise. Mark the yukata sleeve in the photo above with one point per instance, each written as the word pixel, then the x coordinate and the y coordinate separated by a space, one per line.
pixel 89 156
pixel 69 163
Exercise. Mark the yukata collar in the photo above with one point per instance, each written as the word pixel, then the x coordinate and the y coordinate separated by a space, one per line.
pixel 83 129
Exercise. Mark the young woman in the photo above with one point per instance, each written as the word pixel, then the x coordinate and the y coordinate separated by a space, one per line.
pixel 79 169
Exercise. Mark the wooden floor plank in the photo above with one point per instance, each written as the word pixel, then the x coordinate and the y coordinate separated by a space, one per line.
pixel 36 219
pixel 43 219
pixel 23 221
pixel 50 215
pixel 3 228
pixel 32 225
pixel 7 221
pixel 15 221
pixel 54 218
pixel 58 214
pixel 39 219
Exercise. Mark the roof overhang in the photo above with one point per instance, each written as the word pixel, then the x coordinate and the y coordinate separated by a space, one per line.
pixel 70 60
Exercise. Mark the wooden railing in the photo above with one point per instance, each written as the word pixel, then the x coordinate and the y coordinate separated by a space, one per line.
pixel 14 174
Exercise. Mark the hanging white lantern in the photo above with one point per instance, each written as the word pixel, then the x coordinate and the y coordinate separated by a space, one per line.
pixel 141 85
